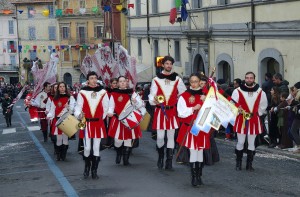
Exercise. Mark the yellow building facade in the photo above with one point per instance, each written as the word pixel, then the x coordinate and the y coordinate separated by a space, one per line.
pixel 80 24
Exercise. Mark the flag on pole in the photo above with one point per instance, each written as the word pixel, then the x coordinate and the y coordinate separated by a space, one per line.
pixel 50 70
pixel 18 96
pixel 173 12
pixel 184 13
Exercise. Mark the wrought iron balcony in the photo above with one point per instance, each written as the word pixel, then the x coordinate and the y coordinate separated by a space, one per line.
pixel 8 68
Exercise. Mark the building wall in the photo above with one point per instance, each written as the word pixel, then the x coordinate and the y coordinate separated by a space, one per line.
pixel 219 33
pixel 41 24
pixel 7 70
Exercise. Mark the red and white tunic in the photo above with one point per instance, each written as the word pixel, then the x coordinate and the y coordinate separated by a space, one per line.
pixel 186 102
pixel 169 86
pixel 252 100
pixel 120 100
pixel 93 103
pixel 33 111
pixel 57 109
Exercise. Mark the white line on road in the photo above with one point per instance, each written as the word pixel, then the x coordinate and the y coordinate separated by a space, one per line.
pixel 10 130
pixel 33 128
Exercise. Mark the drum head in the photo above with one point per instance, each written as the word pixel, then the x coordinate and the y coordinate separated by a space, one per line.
pixel 126 112
pixel 61 119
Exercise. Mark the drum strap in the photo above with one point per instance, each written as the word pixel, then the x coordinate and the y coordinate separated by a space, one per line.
pixel 92 119
pixel 166 107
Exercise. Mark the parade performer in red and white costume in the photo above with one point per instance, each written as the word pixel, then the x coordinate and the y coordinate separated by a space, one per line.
pixel 251 100
pixel 40 101
pixel 120 99
pixel 62 103
pixel 166 86
pixel 33 111
pixel 187 107
pixel 92 104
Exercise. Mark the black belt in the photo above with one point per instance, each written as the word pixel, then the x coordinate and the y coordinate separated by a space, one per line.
pixel 92 119
pixel 166 106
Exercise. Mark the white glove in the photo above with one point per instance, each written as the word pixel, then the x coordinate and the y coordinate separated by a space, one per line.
pixel 288 107
pixel 275 109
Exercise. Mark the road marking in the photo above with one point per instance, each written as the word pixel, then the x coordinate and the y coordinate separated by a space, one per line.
pixel 26 171
pixel 10 130
pixel 67 187
pixel 33 128
pixel 18 106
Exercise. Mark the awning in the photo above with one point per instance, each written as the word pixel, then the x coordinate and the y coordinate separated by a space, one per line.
pixel 144 73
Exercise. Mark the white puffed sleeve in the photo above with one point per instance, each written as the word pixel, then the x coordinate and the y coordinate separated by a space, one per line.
pixel 182 109
pixel 111 105
pixel 153 92
pixel 181 87
pixel 51 113
pixel 78 106
pixel 72 104
pixel 105 104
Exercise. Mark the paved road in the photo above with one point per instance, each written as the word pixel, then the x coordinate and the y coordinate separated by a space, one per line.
pixel 28 168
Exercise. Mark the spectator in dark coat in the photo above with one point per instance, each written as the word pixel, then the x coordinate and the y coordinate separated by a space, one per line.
pixel 280 83
pixel 267 86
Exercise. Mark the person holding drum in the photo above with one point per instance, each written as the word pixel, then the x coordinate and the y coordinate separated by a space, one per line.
pixel 187 107
pixel 61 104
pixel 126 109
pixel 164 91
pixel 92 105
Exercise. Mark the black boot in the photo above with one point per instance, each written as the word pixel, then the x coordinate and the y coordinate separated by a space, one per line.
pixel 87 166
pixel 7 122
pixel 64 152
pixel 45 136
pixel 119 154
pixel 169 159
pixel 239 156
pixel 9 119
pixel 58 152
pixel 193 174
pixel 126 154
pixel 250 155
pixel 161 154
pixel 95 163
pixel 199 167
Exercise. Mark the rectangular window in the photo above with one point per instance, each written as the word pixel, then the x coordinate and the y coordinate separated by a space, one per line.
pixel 155 48
pixel 65 33
pixel 154 6
pixel 197 4
pixel 13 60
pixel 98 31
pixel 31 33
pixel 51 11
pixel 67 55
pixel 82 3
pixel 52 32
pixel 65 4
pixel 177 51
pixel 32 55
pixel 140 47
pixel 30 11
pixel 11 27
pixel 12 46
pixel 81 34
pixel 223 2
pixel 138 7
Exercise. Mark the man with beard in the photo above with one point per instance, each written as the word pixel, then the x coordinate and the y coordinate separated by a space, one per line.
pixel 164 91
pixel 252 102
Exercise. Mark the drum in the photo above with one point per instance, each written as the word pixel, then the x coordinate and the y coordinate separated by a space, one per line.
pixel 145 122
pixel 131 117
pixel 68 124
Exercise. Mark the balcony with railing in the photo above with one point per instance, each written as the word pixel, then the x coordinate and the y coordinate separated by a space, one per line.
pixel 82 41
pixel 8 68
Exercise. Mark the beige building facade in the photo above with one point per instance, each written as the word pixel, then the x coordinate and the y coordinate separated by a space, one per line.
pixel 235 36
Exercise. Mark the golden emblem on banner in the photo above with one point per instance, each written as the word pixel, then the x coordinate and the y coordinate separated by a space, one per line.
pixel 94 95
pixel 120 98
pixel 192 99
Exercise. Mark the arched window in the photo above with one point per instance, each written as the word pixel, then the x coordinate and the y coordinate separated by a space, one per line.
pixel 198 65
pixel 68 79
pixel 82 78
